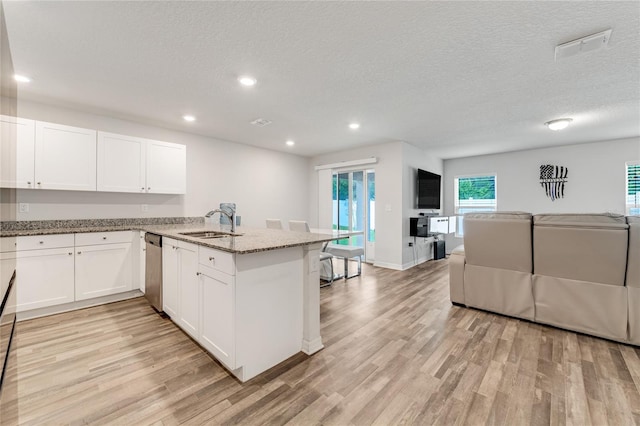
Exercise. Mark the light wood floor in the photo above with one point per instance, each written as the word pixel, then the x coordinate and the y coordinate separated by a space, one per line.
pixel 396 352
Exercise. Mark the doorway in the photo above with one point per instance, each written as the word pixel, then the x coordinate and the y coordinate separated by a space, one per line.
pixel 354 198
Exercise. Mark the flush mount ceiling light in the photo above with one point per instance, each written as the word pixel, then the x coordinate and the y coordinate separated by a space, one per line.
pixel 558 124
pixel 290 143
pixel 189 118
pixel 247 81
pixel 354 126
pixel 21 78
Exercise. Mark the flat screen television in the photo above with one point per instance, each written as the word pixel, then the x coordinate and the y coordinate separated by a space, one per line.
pixel 427 190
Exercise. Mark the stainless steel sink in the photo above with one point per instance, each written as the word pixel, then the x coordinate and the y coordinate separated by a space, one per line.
pixel 209 234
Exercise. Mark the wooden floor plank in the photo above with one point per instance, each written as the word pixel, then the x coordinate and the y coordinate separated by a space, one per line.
pixel 396 352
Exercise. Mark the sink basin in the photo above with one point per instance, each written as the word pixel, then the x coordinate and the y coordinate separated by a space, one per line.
pixel 209 234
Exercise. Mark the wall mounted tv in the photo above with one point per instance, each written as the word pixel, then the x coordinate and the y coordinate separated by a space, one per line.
pixel 427 190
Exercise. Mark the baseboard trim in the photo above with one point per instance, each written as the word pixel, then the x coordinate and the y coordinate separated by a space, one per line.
pixel 74 306
pixel 310 347
pixel 387 265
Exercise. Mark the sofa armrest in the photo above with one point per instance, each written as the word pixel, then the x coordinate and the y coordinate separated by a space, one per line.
pixel 456 275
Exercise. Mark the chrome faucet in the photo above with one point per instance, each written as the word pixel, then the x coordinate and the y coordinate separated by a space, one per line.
pixel 232 217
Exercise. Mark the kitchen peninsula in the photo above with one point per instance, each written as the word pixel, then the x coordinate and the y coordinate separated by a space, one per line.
pixel 251 300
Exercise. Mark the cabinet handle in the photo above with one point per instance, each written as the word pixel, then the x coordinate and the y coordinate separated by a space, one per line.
pixel 70 253
pixel 39 183
pixel 213 259
pixel 149 189
pixel 28 183
pixel 198 273
pixel 41 242
pixel 79 252
pixel 142 188
pixel 104 238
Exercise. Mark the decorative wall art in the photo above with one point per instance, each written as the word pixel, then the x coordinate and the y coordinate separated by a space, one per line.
pixel 552 179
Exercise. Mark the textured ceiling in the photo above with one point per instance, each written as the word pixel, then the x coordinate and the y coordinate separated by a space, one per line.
pixel 455 78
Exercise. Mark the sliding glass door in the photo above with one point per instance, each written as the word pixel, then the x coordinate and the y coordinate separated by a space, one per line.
pixel 354 208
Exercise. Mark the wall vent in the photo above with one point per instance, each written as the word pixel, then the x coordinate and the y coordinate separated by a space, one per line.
pixel 582 45
pixel 261 122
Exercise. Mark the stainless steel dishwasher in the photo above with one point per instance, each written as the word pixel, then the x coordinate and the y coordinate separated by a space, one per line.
pixel 153 270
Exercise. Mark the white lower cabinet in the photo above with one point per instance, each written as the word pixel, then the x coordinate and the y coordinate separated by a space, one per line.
pixel 102 270
pixel 217 307
pixel 44 277
pixel 188 289
pixel 170 277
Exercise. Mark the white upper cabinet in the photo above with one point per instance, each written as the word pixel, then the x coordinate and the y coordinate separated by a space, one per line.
pixel 166 168
pixel 40 155
pixel 65 157
pixel 17 153
pixel 121 163
pixel 130 164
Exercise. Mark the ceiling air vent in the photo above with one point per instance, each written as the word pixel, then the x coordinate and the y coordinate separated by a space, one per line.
pixel 582 45
pixel 261 122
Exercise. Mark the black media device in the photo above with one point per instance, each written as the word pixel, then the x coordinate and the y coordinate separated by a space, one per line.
pixel 427 190
pixel 419 226
pixel 438 250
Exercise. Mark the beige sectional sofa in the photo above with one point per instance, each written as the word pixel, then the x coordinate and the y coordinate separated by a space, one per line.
pixel 575 271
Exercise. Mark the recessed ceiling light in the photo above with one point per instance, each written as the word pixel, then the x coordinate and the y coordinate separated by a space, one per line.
pixel 290 143
pixel 354 126
pixel 189 118
pixel 248 81
pixel 21 78
pixel 558 124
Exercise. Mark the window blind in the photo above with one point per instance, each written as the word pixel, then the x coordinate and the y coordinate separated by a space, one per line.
pixel 633 188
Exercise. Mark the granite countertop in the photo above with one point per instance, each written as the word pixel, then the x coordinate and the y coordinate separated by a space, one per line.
pixel 252 240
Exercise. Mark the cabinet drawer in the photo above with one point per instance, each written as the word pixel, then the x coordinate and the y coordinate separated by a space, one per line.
pixel 35 242
pixel 216 259
pixel 93 238
pixel 8 244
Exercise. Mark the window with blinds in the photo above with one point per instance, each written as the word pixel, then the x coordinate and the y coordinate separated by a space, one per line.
pixel 474 194
pixel 633 189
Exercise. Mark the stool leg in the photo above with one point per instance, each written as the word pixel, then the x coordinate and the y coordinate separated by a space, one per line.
pixel 346 268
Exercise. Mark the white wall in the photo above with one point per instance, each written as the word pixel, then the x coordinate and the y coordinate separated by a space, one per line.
pixel 595 183
pixel 261 182
pixel 389 205
pixel 395 197
pixel 415 158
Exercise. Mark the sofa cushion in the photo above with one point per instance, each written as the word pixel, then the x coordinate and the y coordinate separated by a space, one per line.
pixel 586 247
pixel 587 307
pixel 499 290
pixel 456 275
pixel 592 220
pixel 633 262
pixel 498 240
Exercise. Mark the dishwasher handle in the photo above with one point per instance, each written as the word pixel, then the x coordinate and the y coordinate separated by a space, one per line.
pixel 153 239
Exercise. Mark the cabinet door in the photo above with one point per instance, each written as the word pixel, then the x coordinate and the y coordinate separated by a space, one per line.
pixel 142 261
pixel 166 168
pixel 65 157
pixel 102 269
pixel 121 163
pixel 17 147
pixel 189 289
pixel 43 277
pixel 218 318
pixel 170 277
